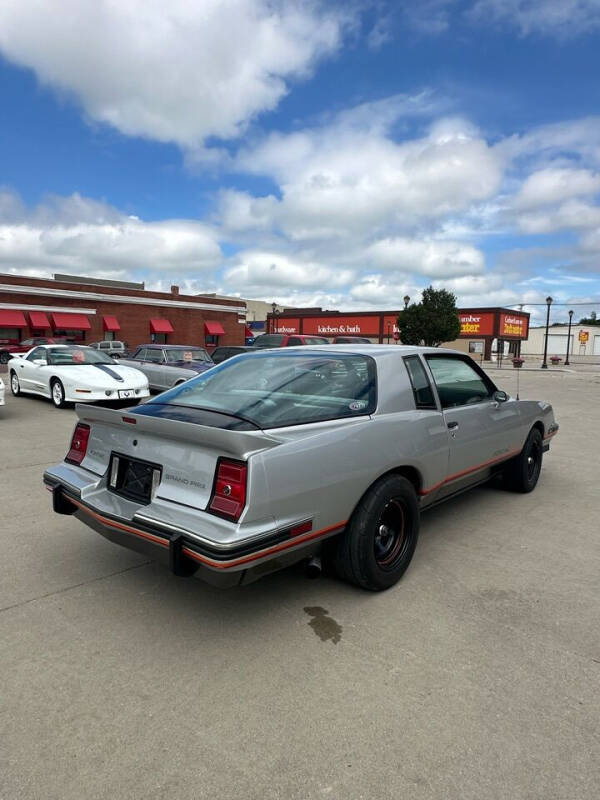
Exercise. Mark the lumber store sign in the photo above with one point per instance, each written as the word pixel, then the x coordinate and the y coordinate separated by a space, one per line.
pixel 476 324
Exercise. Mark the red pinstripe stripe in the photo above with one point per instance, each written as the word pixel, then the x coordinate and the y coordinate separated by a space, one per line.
pixel 205 559
pixel 469 471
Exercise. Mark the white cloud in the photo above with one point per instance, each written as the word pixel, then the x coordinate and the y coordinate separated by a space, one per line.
pixel 572 215
pixel 430 258
pixel 277 271
pixel 350 176
pixel 179 71
pixel 551 185
pixel 559 18
pixel 75 234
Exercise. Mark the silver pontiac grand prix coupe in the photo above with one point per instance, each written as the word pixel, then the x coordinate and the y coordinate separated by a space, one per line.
pixel 277 456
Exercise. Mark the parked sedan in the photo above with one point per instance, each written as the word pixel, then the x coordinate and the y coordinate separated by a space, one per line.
pixel 72 373
pixel 288 340
pixel 223 353
pixel 7 351
pixel 168 365
pixel 278 456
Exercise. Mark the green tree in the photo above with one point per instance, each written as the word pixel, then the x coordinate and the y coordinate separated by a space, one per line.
pixel 591 320
pixel 432 321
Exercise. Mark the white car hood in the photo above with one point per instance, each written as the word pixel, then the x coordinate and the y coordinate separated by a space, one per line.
pixel 105 376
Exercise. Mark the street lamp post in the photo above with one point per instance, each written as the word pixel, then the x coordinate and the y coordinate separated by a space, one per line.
pixel 406 301
pixel 274 309
pixel 548 304
pixel 567 362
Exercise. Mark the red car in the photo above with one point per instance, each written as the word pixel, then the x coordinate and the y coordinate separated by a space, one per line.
pixel 287 340
pixel 8 350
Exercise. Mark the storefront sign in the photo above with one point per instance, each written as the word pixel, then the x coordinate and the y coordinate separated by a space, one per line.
pixel 513 325
pixel 476 324
pixel 285 325
pixel 342 325
pixel 584 337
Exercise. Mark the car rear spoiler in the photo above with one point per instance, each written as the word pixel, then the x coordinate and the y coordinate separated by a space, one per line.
pixel 239 444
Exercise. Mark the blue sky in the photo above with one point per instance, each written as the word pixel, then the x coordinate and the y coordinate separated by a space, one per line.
pixel 312 153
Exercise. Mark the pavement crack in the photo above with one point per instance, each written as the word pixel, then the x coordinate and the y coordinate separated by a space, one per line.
pixel 74 586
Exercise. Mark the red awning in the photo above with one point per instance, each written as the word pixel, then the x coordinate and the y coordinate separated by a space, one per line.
pixel 248 334
pixel 111 324
pixel 12 319
pixel 214 329
pixel 72 322
pixel 160 326
pixel 39 320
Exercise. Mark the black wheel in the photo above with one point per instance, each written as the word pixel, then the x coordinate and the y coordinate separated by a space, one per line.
pixel 4 357
pixel 15 386
pixel 58 393
pixel 380 540
pixel 522 473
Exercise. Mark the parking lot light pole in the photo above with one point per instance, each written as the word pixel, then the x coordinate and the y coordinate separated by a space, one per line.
pixel 406 301
pixel 548 304
pixel 274 307
pixel 567 362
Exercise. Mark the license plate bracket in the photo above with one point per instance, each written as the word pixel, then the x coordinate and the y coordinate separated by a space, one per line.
pixel 133 478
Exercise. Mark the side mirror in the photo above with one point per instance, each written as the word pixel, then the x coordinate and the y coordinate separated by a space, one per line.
pixel 500 396
pixel 41 362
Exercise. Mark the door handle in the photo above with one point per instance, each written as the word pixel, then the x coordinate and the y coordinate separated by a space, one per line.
pixel 452 425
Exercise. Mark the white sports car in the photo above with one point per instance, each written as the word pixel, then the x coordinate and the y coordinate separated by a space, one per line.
pixel 74 373
pixel 1 392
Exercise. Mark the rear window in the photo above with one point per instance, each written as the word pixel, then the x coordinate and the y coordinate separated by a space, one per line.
pixel 187 354
pixel 273 390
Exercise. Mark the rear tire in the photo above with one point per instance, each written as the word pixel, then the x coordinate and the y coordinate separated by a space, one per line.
pixel 522 473
pixel 57 390
pixel 15 386
pixel 380 540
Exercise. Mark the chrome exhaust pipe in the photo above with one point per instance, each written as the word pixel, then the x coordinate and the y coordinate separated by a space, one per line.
pixel 314 567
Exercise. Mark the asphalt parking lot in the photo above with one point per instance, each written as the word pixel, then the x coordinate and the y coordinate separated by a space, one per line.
pixel 477 676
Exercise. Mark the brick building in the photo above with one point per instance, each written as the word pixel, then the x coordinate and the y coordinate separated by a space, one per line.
pixel 89 309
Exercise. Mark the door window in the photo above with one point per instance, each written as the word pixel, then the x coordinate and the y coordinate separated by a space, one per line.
pixel 155 356
pixel 140 355
pixel 294 340
pixel 38 352
pixel 421 387
pixel 458 382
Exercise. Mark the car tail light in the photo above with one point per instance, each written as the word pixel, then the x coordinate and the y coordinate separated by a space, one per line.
pixel 229 491
pixel 79 444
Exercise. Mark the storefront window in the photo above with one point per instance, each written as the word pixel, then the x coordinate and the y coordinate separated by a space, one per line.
pixel 9 335
pixel 211 339
pixel 109 336
pixel 158 338
pixel 70 335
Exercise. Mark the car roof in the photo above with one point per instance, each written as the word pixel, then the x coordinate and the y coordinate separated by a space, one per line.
pixel 155 346
pixel 373 350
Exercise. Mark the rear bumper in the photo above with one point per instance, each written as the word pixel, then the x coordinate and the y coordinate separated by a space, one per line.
pixel 180 551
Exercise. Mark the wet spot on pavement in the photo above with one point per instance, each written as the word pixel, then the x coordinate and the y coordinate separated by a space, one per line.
pixel 326 628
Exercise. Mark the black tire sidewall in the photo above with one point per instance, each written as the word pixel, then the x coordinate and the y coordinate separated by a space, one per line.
pixel 363 528
pixel 518 478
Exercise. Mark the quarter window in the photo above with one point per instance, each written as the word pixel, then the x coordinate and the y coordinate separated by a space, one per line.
pixel 421 387
pixel 458 383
